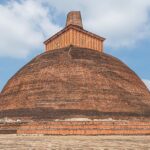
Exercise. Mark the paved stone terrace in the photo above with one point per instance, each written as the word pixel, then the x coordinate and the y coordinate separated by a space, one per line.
pixel 35 142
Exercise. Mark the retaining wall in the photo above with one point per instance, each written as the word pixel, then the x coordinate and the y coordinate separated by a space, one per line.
pixel 86 128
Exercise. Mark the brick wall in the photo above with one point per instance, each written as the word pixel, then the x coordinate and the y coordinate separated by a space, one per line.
pixel 86 128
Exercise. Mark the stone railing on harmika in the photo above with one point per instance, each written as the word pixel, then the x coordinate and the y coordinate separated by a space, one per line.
pixel 79 128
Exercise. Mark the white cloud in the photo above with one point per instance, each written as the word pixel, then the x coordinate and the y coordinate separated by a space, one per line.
pixel 147 83
pixel 26 24
pixel 23 27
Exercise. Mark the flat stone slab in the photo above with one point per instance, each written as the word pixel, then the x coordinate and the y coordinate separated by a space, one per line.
pixel 24 142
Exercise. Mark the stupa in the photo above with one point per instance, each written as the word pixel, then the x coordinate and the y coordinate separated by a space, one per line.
pixel 75 88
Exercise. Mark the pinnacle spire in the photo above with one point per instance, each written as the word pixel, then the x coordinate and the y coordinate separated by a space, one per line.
pixel 74 18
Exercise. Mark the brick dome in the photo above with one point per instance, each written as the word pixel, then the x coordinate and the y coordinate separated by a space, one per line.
pixel 75 82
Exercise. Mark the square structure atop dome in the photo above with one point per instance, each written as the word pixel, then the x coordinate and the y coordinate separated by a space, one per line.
pixel 74 34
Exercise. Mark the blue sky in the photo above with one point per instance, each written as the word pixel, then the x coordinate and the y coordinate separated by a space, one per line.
pixel 25 24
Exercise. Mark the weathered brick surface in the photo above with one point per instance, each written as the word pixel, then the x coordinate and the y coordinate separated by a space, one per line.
pixel 78 128
pixel 87 128
pixel 75 83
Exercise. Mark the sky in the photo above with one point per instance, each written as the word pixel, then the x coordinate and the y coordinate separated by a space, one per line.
pixel 26 24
